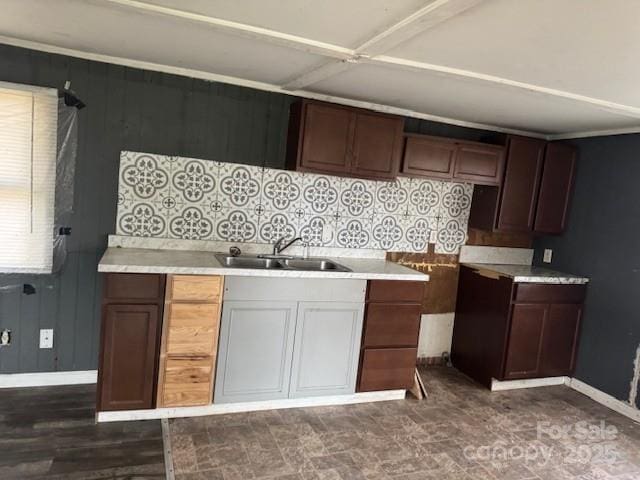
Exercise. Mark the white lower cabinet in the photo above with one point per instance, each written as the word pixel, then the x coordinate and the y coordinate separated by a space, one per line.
pixel 276 349
pixel 326 349
pixel 255 350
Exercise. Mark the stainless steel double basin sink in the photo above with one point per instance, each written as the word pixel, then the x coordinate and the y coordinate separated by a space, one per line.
pixel 274 262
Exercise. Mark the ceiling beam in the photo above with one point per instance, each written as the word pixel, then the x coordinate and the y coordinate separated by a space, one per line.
pixel 426 17
pixel 430 15
pixel 412 65
pixel 594 133
pixel 268 87
pixel 243 30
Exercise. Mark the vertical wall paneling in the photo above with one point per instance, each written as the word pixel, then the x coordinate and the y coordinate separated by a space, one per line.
pixel 127 109
pixel 130 109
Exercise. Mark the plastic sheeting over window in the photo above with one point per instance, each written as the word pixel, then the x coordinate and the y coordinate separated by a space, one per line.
pixel 28 139
pixel 65 179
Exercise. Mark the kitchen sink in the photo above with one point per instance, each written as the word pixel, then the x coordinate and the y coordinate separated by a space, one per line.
pixel 286 263
pixel 316 264
pixel 249 262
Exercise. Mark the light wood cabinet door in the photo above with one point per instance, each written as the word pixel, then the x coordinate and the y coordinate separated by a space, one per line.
pixel 326 349
pixel 193 329
pixel 187 381
pixel 255 351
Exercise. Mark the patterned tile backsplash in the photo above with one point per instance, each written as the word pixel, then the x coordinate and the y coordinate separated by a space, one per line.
pixel 186 198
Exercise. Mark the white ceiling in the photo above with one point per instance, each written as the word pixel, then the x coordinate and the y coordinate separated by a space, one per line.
pixel 551 68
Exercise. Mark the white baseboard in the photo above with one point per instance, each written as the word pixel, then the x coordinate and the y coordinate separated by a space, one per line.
pixel 222 408
pixel 500 386
pixel 605 399
pixel 44 379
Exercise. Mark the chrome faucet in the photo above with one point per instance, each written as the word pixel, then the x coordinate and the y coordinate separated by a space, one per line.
pixel 278 247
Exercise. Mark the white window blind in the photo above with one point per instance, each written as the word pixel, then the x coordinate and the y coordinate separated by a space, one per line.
pixel 28 135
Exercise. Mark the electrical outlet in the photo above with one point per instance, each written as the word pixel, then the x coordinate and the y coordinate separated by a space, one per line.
pixel 5 337
pixel 46 338
pixel 548 253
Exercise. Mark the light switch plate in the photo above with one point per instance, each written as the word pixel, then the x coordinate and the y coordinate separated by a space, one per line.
pixel 46 338
pixel 548 253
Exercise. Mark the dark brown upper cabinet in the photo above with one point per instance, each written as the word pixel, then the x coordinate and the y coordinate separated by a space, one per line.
pixel 534 195
pixel 448 159
pixel 555 188
pixel 429 157
pixel 339 140
pixel 517 209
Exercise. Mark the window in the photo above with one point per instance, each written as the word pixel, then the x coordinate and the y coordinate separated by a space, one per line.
pixel 28 136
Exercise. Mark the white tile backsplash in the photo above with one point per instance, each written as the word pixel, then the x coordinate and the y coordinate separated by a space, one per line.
pixel 191 199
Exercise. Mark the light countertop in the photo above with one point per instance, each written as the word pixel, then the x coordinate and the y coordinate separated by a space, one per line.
pixel 529 273
pixel 142 260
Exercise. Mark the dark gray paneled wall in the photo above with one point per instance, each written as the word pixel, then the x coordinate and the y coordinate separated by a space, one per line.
pixel 601 242
pixel 130 109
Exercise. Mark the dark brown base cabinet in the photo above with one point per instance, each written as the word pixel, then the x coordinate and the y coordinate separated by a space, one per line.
pixel 390 336
pixel 508 331
pixel 130 341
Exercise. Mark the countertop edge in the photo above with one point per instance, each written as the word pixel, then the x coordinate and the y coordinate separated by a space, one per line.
pixel 237 272
pixel 557 278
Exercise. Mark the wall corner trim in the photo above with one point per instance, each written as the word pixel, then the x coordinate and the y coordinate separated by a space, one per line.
pixel 605 399
pixel 43 379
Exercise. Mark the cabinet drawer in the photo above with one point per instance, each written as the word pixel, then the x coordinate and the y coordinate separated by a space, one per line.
pixel 193 329
pixel 387 369
pixel 188 288
pixel 392 325
pixel 187 381
pixel 395 291
pixel 133 287
pixel 538 292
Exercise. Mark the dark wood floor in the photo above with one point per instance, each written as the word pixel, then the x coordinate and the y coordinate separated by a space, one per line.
pixel 49 432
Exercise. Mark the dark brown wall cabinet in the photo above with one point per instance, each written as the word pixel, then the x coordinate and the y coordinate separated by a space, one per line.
pixel 130 341
pixel 534 195
pixel 390 336
pixel 555 188
pixel 448 159
pixel 508 331
pixel 339 140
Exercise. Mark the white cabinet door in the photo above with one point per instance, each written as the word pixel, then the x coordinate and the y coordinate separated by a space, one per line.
pixel 255 351
pixel 326 348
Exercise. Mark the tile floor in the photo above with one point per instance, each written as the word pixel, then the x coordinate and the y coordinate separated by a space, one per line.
pixel 461 432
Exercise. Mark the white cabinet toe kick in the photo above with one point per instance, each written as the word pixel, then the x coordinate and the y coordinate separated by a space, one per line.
pixel 224 408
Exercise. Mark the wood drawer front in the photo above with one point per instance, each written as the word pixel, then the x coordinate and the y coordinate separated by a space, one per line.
pixel 187 381
pixel 133 287
pixel 395 291
pixel 387 369
pixel 539 292
pixel 392 325
pixel 193 329
pixel 198 288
